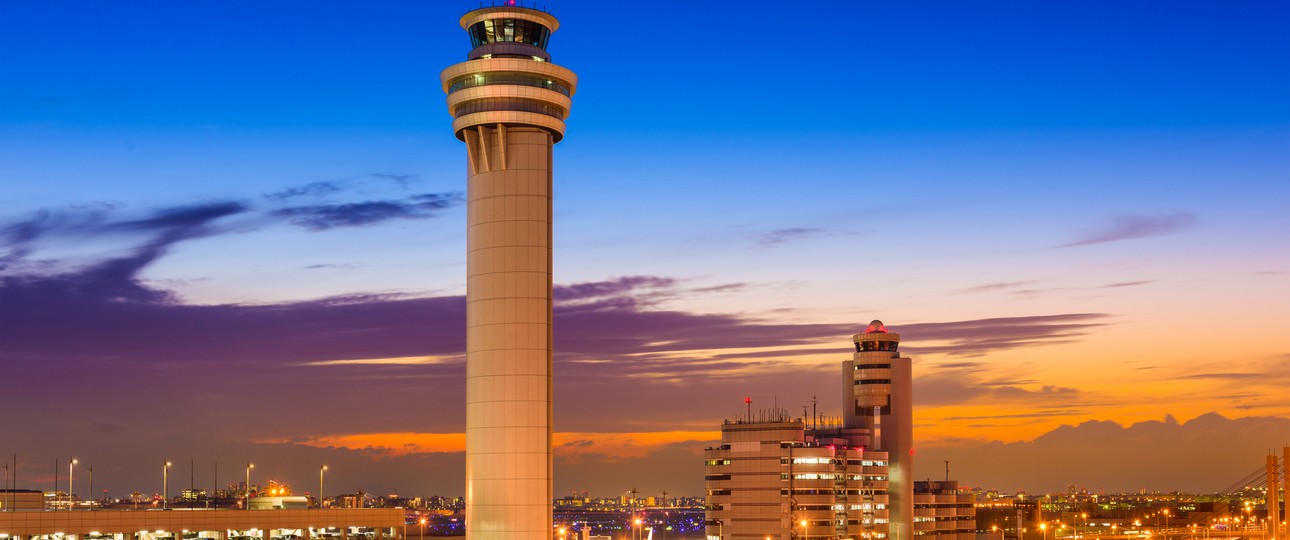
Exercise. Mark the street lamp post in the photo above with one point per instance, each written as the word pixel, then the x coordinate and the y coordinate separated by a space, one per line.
pixel 165 484
pixel 71 493
pixel 249 466
pixel 1044 527
pixel 804 525
pixel 321 470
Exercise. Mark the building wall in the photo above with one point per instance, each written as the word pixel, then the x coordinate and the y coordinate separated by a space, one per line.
pixel 127 522
pixel 21 499
pixel 767 478
pixel 942 512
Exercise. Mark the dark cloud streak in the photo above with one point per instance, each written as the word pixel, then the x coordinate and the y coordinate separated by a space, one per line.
pixel 1129 227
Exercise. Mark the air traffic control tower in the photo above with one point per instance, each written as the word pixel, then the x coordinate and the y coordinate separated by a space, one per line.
pixel 508 103
pixel 878 395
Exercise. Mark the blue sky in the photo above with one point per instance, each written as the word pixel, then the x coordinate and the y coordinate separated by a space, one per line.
pixel 807 167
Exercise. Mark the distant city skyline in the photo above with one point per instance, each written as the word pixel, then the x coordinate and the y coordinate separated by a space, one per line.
pixel 234 232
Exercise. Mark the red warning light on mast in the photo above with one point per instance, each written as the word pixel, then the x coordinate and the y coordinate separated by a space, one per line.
pixel 748 400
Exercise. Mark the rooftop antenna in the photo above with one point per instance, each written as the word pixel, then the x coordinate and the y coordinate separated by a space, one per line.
pixel 747 401
pixel 815 414
pixel 947 470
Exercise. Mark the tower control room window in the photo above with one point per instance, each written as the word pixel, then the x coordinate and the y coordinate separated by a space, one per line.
pixel 509 31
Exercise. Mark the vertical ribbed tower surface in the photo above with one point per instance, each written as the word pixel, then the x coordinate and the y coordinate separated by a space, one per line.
pixel 508 103
pixel 878 395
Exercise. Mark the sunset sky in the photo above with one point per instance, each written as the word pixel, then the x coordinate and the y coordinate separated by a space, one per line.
pixel 233 231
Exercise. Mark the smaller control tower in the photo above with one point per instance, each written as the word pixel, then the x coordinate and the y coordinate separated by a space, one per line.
pixel 877 395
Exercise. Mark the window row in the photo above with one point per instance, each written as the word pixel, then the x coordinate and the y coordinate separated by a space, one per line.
pixel 509 31
pixel 509 104
pixel 505 77
pixel 865 346
pixel 837 507
pixel 827 461
pixel 829 476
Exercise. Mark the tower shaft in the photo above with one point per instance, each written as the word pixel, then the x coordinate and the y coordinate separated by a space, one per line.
pixel 508 333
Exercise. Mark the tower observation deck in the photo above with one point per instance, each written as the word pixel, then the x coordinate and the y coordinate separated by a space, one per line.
pixel 508 103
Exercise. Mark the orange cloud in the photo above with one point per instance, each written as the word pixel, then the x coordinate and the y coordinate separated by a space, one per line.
pixel 567 444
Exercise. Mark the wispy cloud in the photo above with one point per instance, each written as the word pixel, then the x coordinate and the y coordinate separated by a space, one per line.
pixel 359 214
pixel 1129 227
pixel 999 286
pixel 782 236
pixel 312 189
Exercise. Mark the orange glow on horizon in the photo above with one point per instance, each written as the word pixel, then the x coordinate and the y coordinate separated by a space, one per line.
pixel 567 444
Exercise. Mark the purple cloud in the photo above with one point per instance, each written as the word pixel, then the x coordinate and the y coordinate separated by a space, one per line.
pixel 1128 227
pixel 781 236
pixel 330 216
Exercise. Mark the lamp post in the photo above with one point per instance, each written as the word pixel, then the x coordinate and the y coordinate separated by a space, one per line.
pixel 638 527
pixel 423 528
pixel 249 466
pixel 321 470
pixel 165 484
pixel 804 525
pixel 71 493
pixel 1044 527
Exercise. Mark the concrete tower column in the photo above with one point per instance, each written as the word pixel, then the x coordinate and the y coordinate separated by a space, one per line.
pixel 508 103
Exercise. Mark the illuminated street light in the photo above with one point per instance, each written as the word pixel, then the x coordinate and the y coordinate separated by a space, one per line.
pixel 249 466
pixel 71 492
pixel 165 484
pixel 321 470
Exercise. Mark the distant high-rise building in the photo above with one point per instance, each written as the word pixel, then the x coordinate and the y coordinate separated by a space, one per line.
pixel 878 396
pixel 508 103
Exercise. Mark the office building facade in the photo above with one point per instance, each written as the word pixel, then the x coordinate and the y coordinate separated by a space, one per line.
pixel 774 478
pixel 943 512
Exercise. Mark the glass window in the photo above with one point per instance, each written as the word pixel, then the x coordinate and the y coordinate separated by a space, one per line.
pixel 522 79
pixel 509 31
